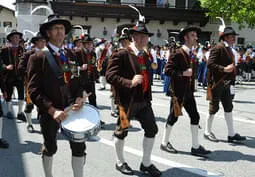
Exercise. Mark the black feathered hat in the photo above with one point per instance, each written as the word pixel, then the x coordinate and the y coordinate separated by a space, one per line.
pixel 52 20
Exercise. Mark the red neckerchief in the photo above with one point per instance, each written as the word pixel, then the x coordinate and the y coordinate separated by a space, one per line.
pixel 90 68
pixel 103 55
pixel 143 71
pixel 150 56
pixel 15 51
pixel 67 74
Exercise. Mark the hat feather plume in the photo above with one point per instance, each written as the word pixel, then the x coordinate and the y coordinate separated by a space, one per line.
pixel 221 27
pixel 123 31
pixel 141 17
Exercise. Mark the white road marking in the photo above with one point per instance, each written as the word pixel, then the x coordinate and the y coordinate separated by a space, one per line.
pixel 166 162
pixel 201 112
pixel 206 113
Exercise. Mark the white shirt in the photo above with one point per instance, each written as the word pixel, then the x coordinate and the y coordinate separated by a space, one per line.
pixel 153 53
pixel 135 50
pixel 226 44
pixel 235 53
pixel 55 48
pixel 186 49
pixel 207 55
pixel 99 49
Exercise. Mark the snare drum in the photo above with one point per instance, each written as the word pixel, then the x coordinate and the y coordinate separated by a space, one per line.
pixel 82 124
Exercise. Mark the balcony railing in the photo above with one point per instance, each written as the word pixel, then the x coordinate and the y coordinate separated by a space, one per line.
pixel 119 11
pixel 111 2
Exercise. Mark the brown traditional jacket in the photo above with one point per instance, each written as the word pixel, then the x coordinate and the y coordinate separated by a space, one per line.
pixel 82 59
pixel 121 69
pixel 8 58
pixel 218 59
pixel 22 67
pixel 45 89
pixel 177 63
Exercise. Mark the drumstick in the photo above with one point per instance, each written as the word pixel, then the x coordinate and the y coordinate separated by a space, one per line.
pixel 83 99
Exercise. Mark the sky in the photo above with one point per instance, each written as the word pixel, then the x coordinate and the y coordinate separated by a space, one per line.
pixel 8 3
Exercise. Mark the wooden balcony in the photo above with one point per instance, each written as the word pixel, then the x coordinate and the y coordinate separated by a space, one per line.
pixel 118 11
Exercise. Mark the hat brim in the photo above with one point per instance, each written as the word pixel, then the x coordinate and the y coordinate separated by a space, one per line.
pixel 35 39
pixel 87 40
pixel 226 34
pixel 45 26
pixel 132 31
pixel 76 40
pixel 185 31
pixel 11 34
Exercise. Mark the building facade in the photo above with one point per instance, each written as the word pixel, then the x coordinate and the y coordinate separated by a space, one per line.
pixel 99 18
pixel 7 23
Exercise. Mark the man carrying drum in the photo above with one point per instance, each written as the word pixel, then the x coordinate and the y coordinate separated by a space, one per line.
pixel 52 88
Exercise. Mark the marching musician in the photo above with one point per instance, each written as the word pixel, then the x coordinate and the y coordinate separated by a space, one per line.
pixel 53 87
pixel 180 68
pixel 77 43
pixel 128 71
pixel 248 63
pixel 3 142
pixel 87 61
pixel 153 60
pixel 103 52
pixel 124 41
pixel 11 77
pixel 39 43
pixel 221 65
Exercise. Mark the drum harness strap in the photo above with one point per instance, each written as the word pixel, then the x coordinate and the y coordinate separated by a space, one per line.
pixel 58 74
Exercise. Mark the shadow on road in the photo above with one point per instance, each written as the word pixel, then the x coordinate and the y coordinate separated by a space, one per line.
pixel 178 172
pixel 11 159
pixel 161 119
pixel 230 156
pixel 242 101
pixel 249 142
pixel 102 107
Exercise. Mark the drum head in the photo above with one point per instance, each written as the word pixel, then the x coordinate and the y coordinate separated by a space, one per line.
pixel 82 120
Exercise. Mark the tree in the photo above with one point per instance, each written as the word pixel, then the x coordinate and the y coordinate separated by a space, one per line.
pixel 239 11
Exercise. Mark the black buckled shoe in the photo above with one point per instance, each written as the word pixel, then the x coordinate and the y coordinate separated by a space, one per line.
pixel 114 114
pixel 4 144
pixel 10 115
pixel 151 170
pixel 21 116
pixel 200 151
pixel 125 169
pixel 211 137
pixel 236 137
pixel 30 129
pixel 168 148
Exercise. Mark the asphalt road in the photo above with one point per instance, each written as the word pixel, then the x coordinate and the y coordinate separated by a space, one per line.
pixel 23 158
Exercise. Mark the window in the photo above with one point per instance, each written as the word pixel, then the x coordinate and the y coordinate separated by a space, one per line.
pixel 7 24
pixel 240 41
